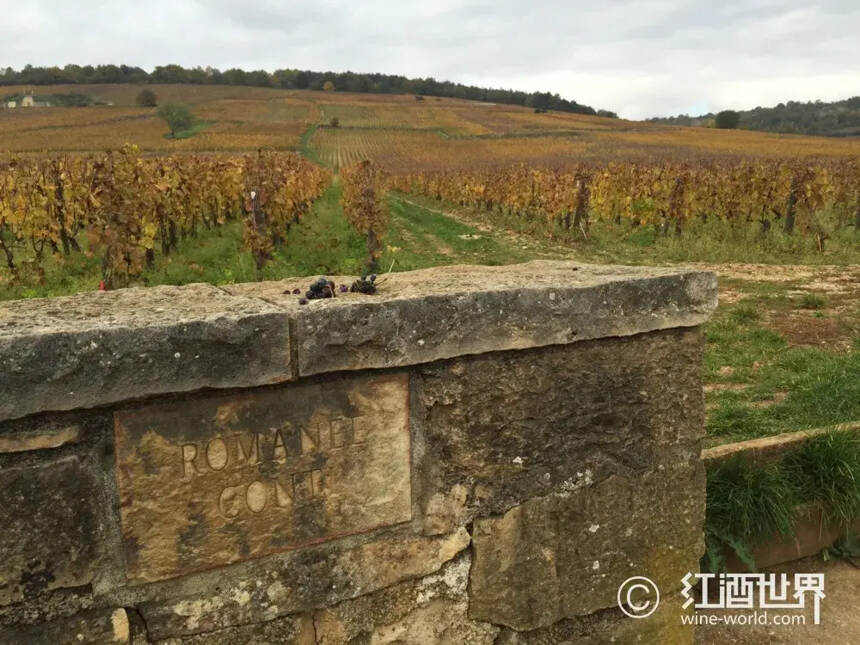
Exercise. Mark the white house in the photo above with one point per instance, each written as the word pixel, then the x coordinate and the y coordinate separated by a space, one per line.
pixel 28 100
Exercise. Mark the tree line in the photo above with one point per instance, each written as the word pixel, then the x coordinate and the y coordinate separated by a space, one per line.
pixel 835 119
pixel 291 79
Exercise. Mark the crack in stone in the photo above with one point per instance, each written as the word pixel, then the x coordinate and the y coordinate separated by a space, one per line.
pixel 314 627
pixel 137 619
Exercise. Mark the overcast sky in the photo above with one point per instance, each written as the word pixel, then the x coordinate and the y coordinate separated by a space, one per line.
pixel 640 58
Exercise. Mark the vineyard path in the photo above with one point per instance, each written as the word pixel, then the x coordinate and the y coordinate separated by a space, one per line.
pixel 829 279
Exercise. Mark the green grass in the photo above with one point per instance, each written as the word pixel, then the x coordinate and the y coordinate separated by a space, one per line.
pixel 305 145
pixel 745 312
pixel 827 468
pixel 322 243
pixel 735 346
pixel 710 241
pixel 812 301
pixel 748 502
pixel 197 128
pixel 823 388
pixel 745 503
pixel 763 386
pixel 425 238
pixel 713 242
pixel 820 389
pixel 58 276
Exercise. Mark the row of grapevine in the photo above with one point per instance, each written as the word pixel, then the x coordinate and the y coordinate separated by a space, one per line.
pixel 278 191
pixel 664 193
pixel 125 207
pixel 365 205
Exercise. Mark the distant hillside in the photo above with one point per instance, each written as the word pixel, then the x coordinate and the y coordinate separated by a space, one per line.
pixel 837 119
pixel 291 79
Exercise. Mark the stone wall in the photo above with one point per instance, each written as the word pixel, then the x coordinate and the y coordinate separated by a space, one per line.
pixel 473 455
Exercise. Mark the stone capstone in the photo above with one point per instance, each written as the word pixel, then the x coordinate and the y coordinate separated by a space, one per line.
pixel 98 348
pixel 95 349
pixel 422 316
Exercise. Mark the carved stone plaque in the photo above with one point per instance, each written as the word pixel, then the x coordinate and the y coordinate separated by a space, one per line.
pixel 215 480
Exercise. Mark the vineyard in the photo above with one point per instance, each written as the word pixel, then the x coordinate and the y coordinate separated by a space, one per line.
pixel 339 148
pixel 125 208
pixel 812 196
pixel 603 187
pixel 429 134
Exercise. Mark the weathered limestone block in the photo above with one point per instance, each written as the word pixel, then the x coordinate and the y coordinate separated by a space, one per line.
pixel 47 607
pixel 422 316
pixel 49 437
pixel 432 610
pixel 50 431
pixel 98 348
pixel 208 482
pixel 303 580
pixel 566 554
pixel 96 627
pixel 50 532
pixel 510 426
pixel 289 630
pixel 663 627
pixel 444 510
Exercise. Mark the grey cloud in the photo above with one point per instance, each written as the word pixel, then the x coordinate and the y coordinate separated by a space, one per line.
pixel 640 58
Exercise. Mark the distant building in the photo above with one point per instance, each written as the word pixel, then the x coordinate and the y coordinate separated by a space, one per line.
pixel 29 101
